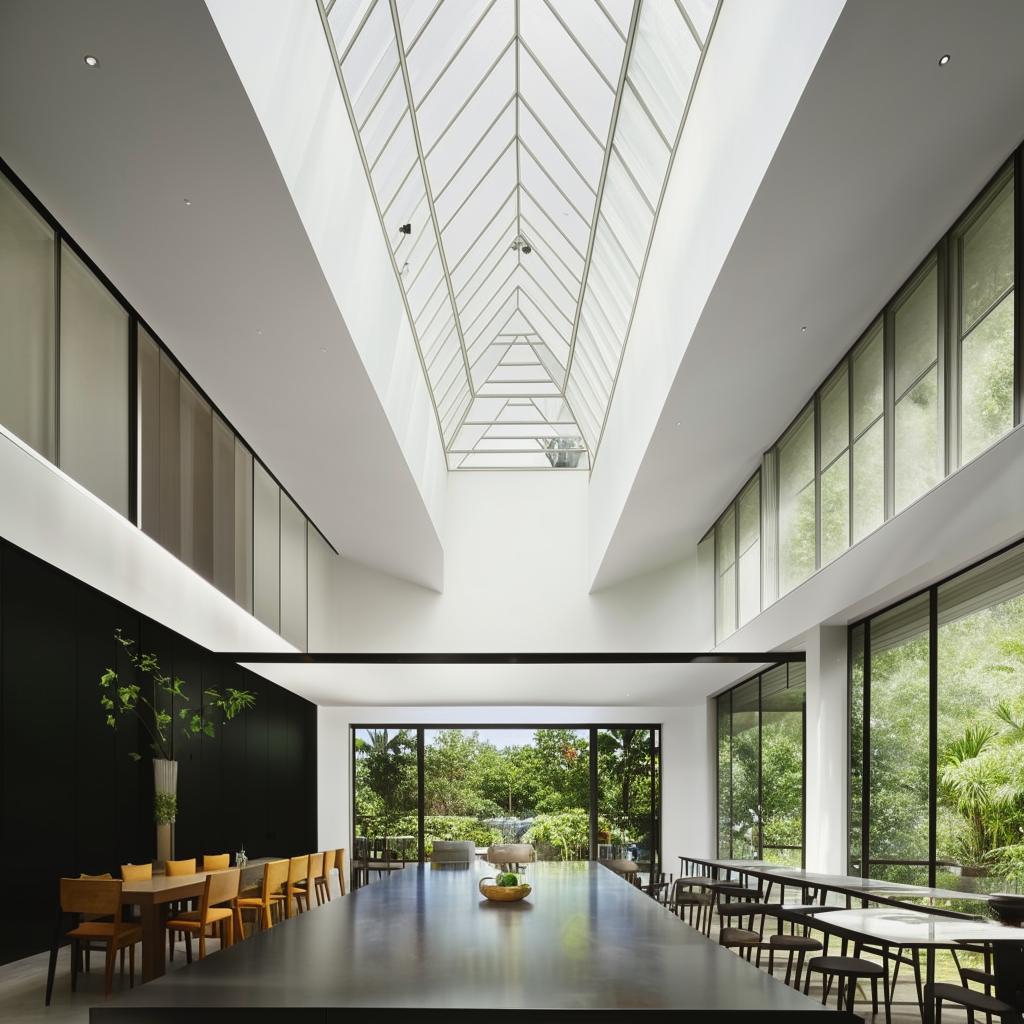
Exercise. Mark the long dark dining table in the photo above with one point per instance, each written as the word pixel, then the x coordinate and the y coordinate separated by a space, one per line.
pixel 424 944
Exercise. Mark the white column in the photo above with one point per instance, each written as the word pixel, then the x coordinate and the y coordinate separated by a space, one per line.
pixel 826 755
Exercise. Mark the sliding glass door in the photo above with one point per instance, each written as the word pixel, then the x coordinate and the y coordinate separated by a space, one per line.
pixel 572 792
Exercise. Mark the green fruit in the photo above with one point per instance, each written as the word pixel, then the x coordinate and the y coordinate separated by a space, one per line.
pixel 508 878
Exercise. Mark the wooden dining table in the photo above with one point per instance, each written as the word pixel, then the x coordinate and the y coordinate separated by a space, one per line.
pixel 154 895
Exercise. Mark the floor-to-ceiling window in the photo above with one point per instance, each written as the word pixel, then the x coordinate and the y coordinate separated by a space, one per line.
pixel 760 728
pixel 937 733
pixel 572 792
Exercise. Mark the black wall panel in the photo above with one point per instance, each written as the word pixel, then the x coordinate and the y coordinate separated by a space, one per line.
pixel 72 800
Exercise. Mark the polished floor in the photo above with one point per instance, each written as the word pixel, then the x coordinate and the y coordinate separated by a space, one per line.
pixel 22 985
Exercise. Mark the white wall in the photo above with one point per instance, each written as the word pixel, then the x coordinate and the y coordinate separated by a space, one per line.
pixel 281 55
pixel 56 519
pixel 757 65
pixel 515 580
pixel 687 804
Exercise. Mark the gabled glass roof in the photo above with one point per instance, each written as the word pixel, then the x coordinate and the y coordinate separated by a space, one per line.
pixel 517 151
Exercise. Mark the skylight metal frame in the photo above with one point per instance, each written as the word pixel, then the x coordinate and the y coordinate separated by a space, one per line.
pixel 481 287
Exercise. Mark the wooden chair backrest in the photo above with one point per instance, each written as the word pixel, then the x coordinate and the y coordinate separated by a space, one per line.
pixel 275 874
pixel 180 867
pixel 222 886
pixel 339 859
pixel 316 865
pixel 328 862
pixel 136 872
pixel 298 869
pixel 216 861
pixel 105 877
pixel 101 896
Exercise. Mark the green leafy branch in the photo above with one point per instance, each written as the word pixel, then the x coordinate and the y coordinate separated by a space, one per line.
pixel 119 697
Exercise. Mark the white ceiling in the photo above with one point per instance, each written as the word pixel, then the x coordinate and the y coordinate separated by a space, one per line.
pixel 231 282
pixel 885 149
pixel 578 685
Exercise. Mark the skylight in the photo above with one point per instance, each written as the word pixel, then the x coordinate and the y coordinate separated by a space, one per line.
pixel 517 151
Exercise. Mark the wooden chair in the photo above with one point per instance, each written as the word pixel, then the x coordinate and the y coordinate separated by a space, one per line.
pixel 98 899
pixel 275 875
pixel 323 881
pixel 136 872
pixel 179 867
pixel 216 861
pixel 221 887
pixel 294 892
pixel 339 863
pixel 314 874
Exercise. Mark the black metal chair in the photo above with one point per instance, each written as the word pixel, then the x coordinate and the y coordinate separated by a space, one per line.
pixel 972 1001
pixel 847 971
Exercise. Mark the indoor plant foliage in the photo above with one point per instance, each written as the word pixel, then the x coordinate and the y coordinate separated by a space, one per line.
pixel 145 696
pixel 119 697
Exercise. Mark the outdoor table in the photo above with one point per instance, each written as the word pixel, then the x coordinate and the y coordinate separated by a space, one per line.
pixel 916 930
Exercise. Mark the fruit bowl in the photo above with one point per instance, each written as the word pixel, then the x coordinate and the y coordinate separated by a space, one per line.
pixel 504 893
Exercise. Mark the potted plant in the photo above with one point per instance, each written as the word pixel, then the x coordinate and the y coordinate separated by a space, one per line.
pixel 140 697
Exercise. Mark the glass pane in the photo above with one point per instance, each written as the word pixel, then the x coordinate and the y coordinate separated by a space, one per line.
pixel 725 553
pixel 782 764
pixel 916 332
pixel 386 796
pixel 867 381
pixel 724 777
pixel 266 548
pixel 868 507
pixel 196 425
pixel 918 445
pixel 627 794
pixel 988 258
pixel 749 585
pixel 93 384
pixel 293 573
pixel 746 817
pixel 26 327
pixel 986 381
pixel 243 525
pixel 223 506
pixel 898 828
pixel 796 504
pixel 169 533
pixel 834 405
pixel 856 748
pixel 149 434
pixel 835 509
pixel 980 738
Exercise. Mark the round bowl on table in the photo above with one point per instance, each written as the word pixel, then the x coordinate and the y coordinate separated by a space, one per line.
pixel 504 893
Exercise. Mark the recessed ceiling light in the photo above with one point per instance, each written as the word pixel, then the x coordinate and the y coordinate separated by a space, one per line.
pixel 259 330
pixel 678 423
pixel 323 350
pixel 91 61
pixel 803 330
pixel 943 60
pixel 188 202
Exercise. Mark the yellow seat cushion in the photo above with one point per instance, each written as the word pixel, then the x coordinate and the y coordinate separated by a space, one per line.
pixel 193 918
pixel 125 932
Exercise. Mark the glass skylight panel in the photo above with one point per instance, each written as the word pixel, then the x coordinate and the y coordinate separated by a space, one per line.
pixel 665 56
pixel 518 196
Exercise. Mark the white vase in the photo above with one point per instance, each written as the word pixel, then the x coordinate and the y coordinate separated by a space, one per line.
pixel 165 780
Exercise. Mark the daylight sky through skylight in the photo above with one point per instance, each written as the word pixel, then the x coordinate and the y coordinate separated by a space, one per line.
pixel 517 151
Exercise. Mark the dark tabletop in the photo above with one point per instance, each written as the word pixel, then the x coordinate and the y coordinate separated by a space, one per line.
pixel 424 943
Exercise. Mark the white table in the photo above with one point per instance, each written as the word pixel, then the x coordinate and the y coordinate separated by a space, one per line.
pixel 915 929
